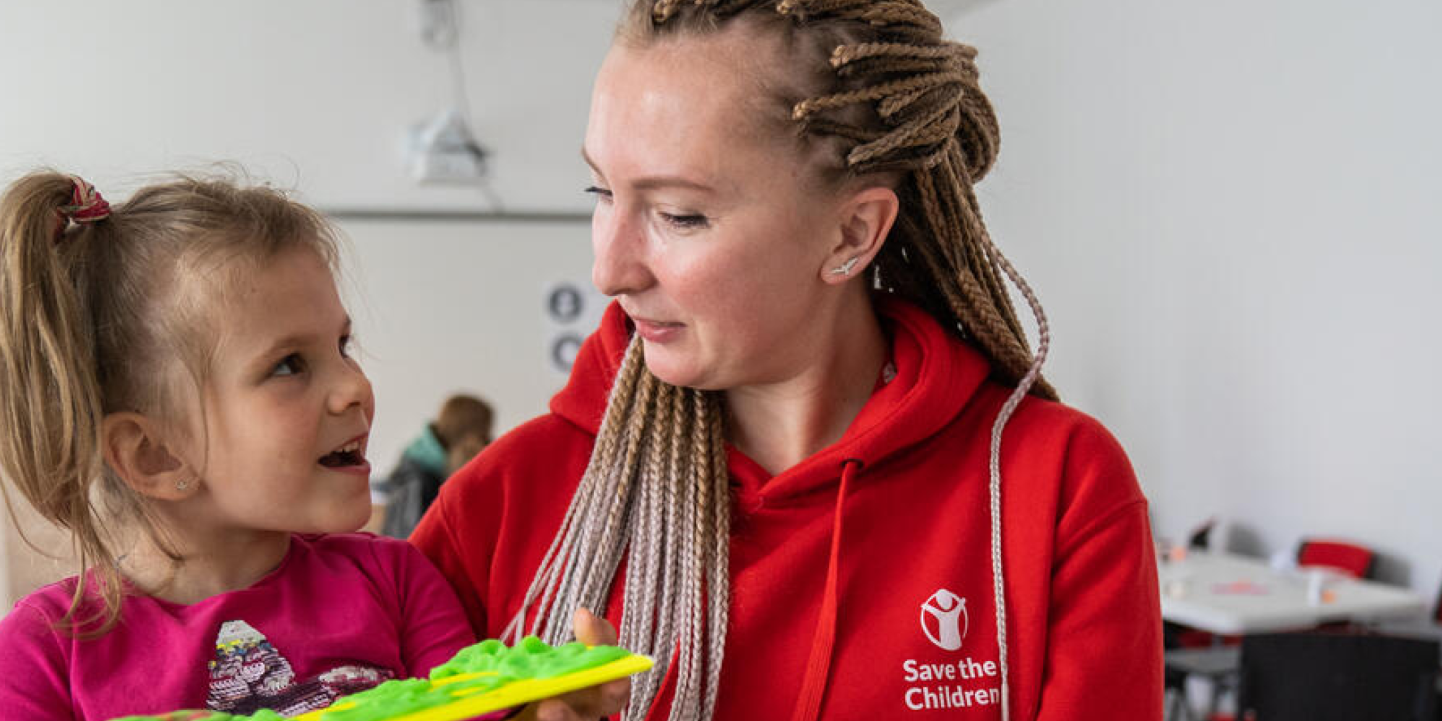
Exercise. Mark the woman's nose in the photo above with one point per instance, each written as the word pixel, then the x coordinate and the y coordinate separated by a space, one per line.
pixel 619 246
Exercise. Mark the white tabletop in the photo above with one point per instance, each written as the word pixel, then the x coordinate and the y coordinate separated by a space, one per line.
pixel 1229 594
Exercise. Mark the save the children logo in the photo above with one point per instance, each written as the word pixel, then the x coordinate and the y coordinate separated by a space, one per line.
pixel 938 682
pixel 945 682
pixel 946 613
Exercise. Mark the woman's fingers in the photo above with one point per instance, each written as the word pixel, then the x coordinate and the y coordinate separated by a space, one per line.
pixel 592 630
pixel 587 704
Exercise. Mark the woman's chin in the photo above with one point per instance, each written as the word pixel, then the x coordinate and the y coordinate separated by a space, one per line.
pixel 679 374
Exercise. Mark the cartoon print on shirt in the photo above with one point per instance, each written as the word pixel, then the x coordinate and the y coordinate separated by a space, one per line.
pixel 248 674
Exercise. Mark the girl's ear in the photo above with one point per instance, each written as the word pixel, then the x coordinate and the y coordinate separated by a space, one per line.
pixel 866 219
pixel 138 452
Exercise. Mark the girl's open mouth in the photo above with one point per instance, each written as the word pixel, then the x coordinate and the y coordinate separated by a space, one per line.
pixel 350 454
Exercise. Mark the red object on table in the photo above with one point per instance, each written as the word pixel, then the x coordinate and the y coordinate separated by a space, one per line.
pixel 1349 558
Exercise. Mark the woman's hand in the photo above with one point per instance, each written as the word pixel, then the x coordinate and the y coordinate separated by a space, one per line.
pixel 587 704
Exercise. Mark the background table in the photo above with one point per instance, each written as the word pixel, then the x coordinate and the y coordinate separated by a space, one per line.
pixel 1229 594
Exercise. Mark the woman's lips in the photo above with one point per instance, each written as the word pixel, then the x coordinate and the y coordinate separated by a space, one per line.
pixel 656 331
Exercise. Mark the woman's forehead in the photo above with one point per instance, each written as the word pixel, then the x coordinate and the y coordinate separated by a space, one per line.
pixel 692 100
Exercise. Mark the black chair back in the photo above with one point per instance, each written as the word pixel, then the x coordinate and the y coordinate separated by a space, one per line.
pixel 1338 677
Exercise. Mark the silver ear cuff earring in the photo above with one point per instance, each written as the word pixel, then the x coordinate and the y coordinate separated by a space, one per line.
pixel 845 268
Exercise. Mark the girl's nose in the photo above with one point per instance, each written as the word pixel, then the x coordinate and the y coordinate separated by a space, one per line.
pixel 353 389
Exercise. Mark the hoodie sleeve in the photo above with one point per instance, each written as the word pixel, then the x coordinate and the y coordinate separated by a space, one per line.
pixel 1104 647
pixel 494 519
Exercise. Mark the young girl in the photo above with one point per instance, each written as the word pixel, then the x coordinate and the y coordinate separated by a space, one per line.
pixel 177 390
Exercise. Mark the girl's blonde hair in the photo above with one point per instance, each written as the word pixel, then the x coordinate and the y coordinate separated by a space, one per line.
pixel 866 89
pixel 112 315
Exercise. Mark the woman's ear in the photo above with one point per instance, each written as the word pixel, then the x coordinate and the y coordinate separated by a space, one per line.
pixel 140 455
pixel 866 219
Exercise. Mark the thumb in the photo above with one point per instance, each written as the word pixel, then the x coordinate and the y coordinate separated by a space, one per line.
pixel 592 630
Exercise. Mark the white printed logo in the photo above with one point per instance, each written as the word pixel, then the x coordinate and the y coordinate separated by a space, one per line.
pixel 951 620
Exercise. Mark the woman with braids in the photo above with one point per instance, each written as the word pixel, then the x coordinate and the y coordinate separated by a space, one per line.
pixel 808 461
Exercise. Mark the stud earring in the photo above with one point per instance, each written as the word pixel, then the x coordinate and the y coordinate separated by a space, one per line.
pixel 845 268
pixel 182 485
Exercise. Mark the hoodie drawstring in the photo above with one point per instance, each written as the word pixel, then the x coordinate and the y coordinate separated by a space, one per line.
pixel 818 666
pixel 1033 372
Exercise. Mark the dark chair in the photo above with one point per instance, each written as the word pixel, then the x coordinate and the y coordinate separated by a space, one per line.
pixel 1437 610
pixel 1337 677
pixel 1174 689
pixel 1349 558
pixel 1201 537
pixel 1217 664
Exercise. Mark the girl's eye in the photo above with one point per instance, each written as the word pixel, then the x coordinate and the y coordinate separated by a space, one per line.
pixel 289 366
pixel 602 195
pixel 686 222
pixel 346 342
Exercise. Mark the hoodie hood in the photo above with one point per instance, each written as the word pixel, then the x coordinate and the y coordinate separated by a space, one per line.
pixel 935 378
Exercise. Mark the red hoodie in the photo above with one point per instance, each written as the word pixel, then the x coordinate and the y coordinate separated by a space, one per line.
pixel 915 627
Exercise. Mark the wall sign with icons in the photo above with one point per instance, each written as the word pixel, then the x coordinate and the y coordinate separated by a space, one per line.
pixel 572 311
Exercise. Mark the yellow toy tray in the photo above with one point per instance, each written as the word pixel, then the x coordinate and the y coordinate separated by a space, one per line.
pixel 512 694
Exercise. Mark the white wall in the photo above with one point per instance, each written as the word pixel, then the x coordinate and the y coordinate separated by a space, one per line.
pixel 1226 208
pixel 318 96
pixel 1230 211
pixel 452 307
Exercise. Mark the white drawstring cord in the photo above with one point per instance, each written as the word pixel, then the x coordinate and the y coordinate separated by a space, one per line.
pixel 1032 373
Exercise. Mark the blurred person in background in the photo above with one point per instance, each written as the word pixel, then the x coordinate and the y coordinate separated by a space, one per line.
pixel 461 429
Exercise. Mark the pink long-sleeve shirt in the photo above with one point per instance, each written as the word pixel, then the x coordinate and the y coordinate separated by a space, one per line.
pixel 340 614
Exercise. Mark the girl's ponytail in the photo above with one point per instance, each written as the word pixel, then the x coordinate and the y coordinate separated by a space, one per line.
pixel 50 395
pixel 103 313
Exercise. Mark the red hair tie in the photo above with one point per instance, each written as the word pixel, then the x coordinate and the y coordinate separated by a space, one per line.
pixel 86 205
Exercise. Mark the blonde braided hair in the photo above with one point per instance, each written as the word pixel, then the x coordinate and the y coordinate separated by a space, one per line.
pixel 655 491
pixel 893 98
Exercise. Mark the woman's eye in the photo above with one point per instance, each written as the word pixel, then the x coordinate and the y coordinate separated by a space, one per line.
pixel 346 343
pixel 602 195
pixel 288 366
pixel 686 222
